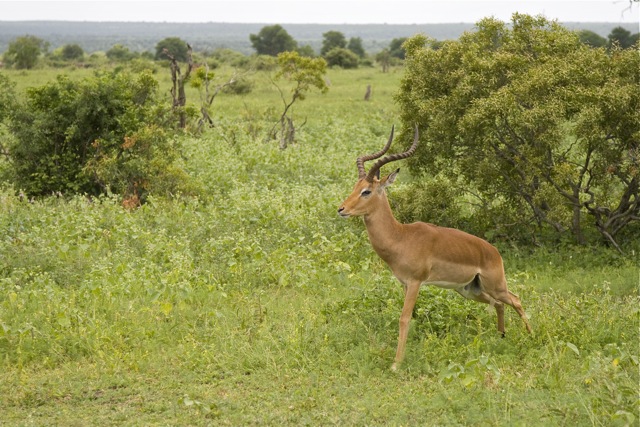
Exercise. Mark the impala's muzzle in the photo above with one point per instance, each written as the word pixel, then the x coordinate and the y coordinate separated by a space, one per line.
pixel 342 213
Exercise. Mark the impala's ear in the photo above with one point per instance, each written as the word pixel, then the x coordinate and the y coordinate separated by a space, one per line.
pixel 388 180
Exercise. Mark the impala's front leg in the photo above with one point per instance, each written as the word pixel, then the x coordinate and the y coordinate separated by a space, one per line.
pixel 410 297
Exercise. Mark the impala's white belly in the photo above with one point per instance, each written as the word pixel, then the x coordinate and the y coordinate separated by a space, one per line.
pixel 447 285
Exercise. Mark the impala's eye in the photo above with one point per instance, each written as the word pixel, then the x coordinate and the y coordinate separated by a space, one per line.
pixel 365 193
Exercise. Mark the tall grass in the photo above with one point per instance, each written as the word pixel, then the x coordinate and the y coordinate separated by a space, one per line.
pixel 255 304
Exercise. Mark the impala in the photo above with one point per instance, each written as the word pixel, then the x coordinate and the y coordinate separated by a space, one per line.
pixel 425 253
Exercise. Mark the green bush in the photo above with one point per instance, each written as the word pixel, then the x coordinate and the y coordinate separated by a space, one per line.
pixel 341 57
pixel 97 135
pixel 534 122
pixel 241 86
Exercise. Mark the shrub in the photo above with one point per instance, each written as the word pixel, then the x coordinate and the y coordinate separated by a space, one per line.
pixel 533 121
pixel 342 58
pixel 100 134
pixel 241 86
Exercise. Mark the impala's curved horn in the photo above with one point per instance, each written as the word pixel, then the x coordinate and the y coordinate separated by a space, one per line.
pixel 360 161
pixel 392 158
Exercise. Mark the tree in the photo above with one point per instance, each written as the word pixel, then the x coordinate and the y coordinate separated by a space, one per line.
pixel 341 57
pixel 7 106
pixel 305 73
pixel 384 59
pixel 272 40
pixel 306 50
pixel 203 81
pixel 536 127
pixel 178 81
pixel 119 53
pixel 99 134
pixel 592 39
pixel 395 48
pixel 23 52
pixel 7 96
pixel 355 46
pixel 177 47
pixel 332 40
pixel 621 37
pixel 71 52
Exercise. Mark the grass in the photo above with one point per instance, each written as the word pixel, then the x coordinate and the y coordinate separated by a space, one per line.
pixel 254 304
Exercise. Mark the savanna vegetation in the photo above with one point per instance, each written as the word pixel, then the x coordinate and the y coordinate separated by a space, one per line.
pixel 201 275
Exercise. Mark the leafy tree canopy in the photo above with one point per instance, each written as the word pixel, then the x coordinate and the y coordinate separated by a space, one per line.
pixel 355 46
pixel 304 73
pixel 623 38
pixel 395 47
pixel 23 52
pixel 341 57
pixel 176 47
pixel 99 134
pixel 332 40
pixel 272 40
pixel 592 39
pixel 119 53
pixel 538 129
pixel 72 52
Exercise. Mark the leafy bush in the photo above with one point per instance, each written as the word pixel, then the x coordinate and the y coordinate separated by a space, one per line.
pixel 429 201
pixel 23 52
pixel 100 134
pixel 241 86
pixel 7 96
pixel 534 122
pixel 342 57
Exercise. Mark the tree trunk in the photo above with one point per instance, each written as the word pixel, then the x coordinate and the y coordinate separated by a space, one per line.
pixel 178 80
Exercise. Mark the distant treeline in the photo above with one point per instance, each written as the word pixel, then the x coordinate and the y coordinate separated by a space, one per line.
pixel 143 36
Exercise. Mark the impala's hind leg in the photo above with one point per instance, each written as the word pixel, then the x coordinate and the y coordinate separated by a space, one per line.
pixel 513 300
pixel 473 291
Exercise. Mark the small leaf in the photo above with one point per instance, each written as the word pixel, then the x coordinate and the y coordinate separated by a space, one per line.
pixel 573 348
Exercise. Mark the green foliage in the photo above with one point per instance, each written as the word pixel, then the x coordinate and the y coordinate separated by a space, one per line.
pixel 592 39
pixel 355 46
pixel 534 122
pixel 272 40
pixel 340 57
pixel 332 40
pixel 240 86
pixel 306 50
pixel 92 136
pixel 23 52
pixel 622 38
pixel 227 56
pixel 395 47
pixel 175 46
pixel 120 53
pixel 430 200
pixel 305 73
pixel 271 310
pixel 7 97
pixel 72 52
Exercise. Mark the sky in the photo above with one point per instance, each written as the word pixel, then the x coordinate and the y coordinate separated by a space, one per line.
pixel 317 12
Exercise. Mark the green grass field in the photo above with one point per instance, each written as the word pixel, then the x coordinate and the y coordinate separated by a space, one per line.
pixel 255 304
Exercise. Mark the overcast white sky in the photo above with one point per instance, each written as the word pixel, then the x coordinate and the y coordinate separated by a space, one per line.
pixel 316 11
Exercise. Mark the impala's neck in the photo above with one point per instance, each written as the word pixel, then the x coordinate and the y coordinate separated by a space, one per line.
pixel 383 229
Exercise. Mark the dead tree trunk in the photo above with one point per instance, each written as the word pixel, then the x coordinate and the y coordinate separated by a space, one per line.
pixel 178 80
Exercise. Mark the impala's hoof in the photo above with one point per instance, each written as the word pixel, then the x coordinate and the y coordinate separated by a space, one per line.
pixel 394 367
